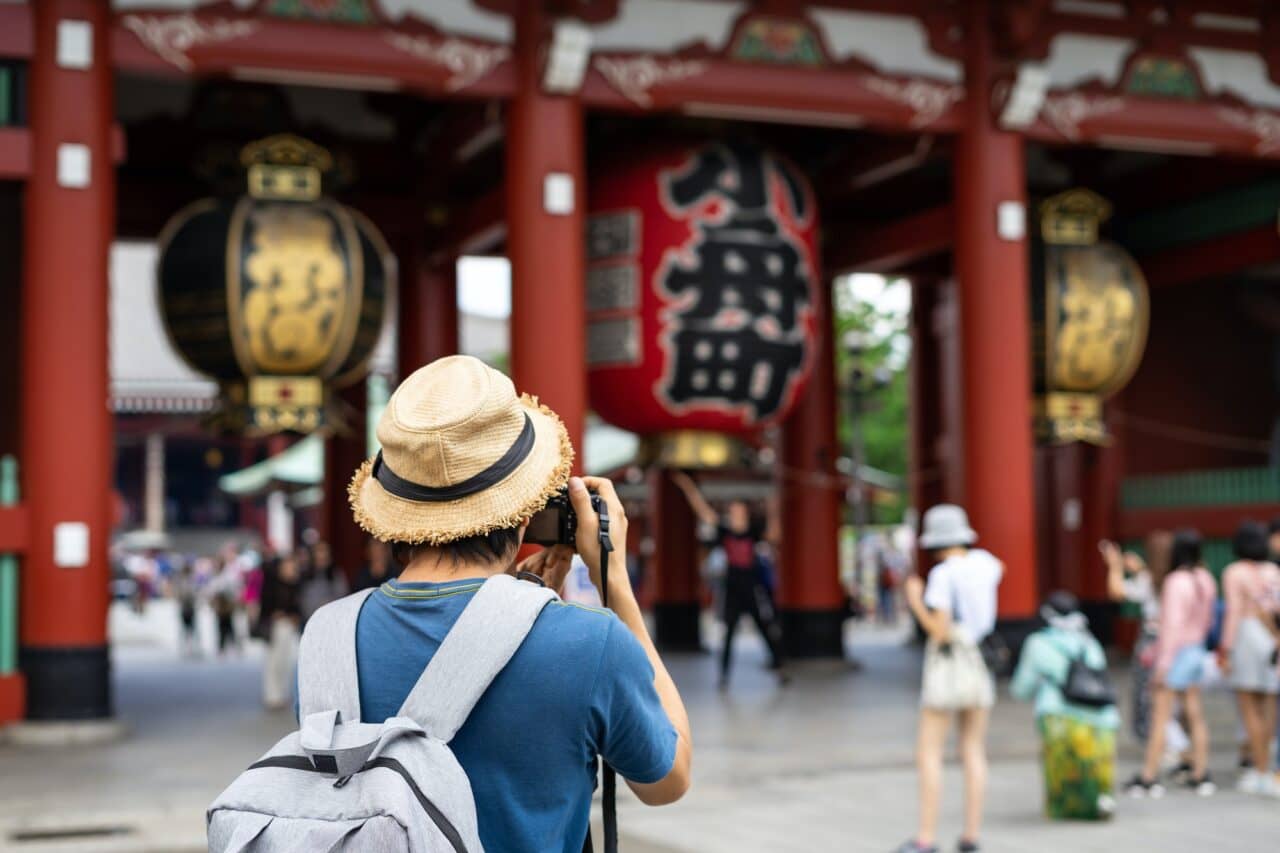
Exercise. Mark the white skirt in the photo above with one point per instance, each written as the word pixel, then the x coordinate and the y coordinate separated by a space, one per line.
pixel 955 677
pixel 1251 665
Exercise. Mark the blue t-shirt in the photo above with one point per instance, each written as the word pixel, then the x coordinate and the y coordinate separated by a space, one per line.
pixel 579 687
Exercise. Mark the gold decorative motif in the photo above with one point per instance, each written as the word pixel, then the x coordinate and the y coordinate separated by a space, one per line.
pixel 1094 322
pixel 297 279
pixel 926 99
pixel 1067 111
pixel 1062 418
pixel 1101 304
pixel 279 294
pixel 285 167
pixel 171 37
pixel 691 449
pixel 286 402
pixel 1072 218
pixel 1263 124
pixel 634 76
pixel 465 61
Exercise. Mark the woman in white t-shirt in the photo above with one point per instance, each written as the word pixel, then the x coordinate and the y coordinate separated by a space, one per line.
pixel 957 610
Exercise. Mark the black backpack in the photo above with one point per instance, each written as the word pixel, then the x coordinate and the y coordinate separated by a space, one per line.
pixel 1086 685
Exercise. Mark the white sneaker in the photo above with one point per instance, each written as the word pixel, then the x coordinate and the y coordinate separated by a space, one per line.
pixel 1250 782
pixel 1268 785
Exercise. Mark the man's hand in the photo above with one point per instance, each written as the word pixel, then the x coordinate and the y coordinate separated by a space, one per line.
pixel 551 564
pixel 588 539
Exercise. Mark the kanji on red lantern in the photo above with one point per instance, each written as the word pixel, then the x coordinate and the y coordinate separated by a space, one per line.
pixel 700 290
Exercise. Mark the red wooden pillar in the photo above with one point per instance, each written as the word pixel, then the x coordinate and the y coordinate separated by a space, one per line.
pixel 428 307
pixel 66 447
pixel 995 330
pixel 545 200
pixel 810 597
pixel 343 454
pixel 673 570
pixel 925 476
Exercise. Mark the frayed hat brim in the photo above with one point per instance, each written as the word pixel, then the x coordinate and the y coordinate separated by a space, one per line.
pixel 506 504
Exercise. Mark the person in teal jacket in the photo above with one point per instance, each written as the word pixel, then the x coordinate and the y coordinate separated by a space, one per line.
pixel 1079 741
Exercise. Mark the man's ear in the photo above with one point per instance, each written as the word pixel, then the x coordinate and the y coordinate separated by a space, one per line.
pixel 520 536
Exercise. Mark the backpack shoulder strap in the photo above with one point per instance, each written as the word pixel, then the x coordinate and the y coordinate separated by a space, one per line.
pixel 327 678
pixel 490 630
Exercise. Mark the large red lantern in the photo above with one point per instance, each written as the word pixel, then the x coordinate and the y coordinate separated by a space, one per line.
pixel 700 289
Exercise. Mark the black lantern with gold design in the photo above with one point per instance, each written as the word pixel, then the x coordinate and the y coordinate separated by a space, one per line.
pixel 1091 311
pixel 279 294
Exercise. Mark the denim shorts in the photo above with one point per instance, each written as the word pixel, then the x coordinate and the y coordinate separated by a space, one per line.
pixel 1187 668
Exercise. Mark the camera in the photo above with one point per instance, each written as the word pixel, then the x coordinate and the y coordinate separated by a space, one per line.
pixel 557 523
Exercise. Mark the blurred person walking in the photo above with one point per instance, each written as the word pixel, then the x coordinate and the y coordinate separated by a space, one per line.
pixel 1247 653
pixel 957 611
pixel 1063 669
pixel 1135 581
pixel 251 585
pixel 744 591
pixel 377 569
pixel 1187 599
pixel 324 582
pixel 186 594
pixel 889 571
pixel 224 592
pixel 282 615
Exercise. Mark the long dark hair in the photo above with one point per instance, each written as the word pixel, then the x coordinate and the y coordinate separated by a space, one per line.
pixel 1186 551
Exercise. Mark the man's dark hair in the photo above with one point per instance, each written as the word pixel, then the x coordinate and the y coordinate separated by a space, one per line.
pixel 492 547
pixel 1250 542
pixel 1275 525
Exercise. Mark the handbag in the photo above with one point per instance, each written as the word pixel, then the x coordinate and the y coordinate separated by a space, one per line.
pixel 996 654
pixel 955 678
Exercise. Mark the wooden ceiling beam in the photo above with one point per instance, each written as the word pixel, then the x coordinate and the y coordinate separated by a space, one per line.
pixel 479 228
pixel 891 247
pixel 1217 258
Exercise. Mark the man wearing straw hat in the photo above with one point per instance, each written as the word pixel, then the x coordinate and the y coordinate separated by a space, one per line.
pixel 465 462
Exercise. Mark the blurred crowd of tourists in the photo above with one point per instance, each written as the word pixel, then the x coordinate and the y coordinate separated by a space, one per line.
pixel 253 593
pixel 1196 633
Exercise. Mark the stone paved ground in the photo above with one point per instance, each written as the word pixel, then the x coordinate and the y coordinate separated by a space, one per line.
pixel 822 765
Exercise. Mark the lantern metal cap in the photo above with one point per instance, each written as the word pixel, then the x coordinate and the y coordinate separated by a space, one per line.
pixel 1072 218
pixel 285 167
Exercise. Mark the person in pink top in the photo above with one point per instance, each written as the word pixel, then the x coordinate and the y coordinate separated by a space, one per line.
pixel 1187 597
pixel 1251 586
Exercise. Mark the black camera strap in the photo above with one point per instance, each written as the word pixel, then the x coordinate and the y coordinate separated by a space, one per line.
pixel 609 783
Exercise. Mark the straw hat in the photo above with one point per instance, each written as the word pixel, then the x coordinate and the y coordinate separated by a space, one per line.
pixel 462 455
pixel 945 526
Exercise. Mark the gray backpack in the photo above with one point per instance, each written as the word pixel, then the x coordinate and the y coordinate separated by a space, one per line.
pixel 339 784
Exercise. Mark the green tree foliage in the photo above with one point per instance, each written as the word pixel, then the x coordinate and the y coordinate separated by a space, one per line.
pixel 880 314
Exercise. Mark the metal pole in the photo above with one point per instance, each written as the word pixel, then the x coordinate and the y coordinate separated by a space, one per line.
pixel 858 454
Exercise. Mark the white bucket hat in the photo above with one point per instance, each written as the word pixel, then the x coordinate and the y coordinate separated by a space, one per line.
pixel 945 526
pixel 462 455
